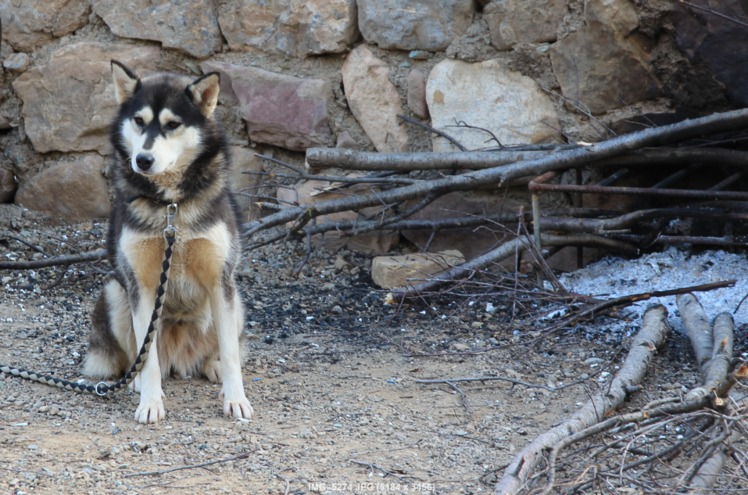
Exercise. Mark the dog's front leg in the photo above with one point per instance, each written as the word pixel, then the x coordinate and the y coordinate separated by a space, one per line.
pixel 151 407
pixel 227 318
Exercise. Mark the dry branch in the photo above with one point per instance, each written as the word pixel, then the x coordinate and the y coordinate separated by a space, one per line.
pixel 317 158
pixel 652 335
pixel 502 252
pixel 712 346
pixel 54 261
pixel 598 307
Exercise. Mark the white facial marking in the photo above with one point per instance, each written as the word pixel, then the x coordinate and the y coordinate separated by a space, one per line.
pixel 173 149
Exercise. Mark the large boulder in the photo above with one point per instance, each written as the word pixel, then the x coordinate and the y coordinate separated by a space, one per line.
pixel 246 177
pixel 68 103
pixel 415 25
pixel 311 192
pixel 282 110
pixel 292 27
pixel 374 100
pixel 7 185
pixel 190 26
pixel 493 100
pixel 69 189
pixel 470 241
pixel 719 42
pixel 601 66
pixel 524 21
pixel 29 24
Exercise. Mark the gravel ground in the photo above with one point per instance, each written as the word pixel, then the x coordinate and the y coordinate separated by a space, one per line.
pixel 331 373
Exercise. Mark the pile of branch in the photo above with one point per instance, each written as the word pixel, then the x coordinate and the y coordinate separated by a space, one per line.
pixel 399 195
pixel 492 169
pixel 692 443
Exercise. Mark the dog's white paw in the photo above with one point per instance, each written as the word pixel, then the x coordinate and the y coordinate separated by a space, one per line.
pixel 212 371
pixel 150 411
pixel 238 408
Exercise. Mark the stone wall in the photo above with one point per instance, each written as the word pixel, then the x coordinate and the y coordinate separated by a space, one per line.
pixel 302 73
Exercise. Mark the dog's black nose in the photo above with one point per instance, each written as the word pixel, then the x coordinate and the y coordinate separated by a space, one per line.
pixel 144 161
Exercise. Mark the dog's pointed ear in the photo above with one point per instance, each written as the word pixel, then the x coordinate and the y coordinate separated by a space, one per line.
pixel 125 81
pixel 204 92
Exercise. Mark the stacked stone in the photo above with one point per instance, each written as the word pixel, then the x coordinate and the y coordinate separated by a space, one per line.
pixel 303 73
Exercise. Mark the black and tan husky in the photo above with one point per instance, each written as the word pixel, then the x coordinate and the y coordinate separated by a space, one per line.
pixel 169 149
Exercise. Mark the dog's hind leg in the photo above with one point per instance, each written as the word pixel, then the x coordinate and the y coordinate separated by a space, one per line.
pixel 110 340
pixel 228 318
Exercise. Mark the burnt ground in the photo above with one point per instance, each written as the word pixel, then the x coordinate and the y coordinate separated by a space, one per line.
pixel 330 370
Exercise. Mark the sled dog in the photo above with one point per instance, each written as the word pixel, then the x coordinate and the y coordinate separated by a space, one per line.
pixel 169 149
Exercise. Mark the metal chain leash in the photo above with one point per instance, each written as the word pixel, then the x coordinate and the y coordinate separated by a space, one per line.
pixel 103 388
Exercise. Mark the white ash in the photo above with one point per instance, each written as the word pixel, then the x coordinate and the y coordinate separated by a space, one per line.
pixel 670 269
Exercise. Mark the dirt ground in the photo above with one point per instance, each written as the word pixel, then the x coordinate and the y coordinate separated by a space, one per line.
pixel 331 372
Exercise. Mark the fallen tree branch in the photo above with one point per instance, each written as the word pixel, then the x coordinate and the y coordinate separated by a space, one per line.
pixel 651 336
pixel 317 158
pixel 629 299
pixel 64 260
pixel 712 346
pixel 503 251
pixel 237 457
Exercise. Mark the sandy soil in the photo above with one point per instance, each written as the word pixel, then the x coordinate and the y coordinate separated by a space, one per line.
pixel 331 372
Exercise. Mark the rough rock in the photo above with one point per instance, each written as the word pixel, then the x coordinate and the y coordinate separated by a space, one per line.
pixel 374 100
pixel 423 25
pixel 389 272
pixel 618 15
pixel 312 192
pixel 281 110
pixel 245 179
pixel 29 24
pixel 292 27
pixel 190 26
pixel 8 185
pixel 346 141
pixel 68 104
pixel 469 241
pixel 416 82
pixel 17 62
pixel 704 36
pixel 524 21
pixel 599 66
pixel 511 106
pixel 74 190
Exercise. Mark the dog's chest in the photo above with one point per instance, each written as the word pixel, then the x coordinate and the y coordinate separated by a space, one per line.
pixel 198 264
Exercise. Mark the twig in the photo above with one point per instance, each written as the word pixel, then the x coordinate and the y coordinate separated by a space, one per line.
pixel 373 467
pixel 56 261
pixel 450 381
pixel 237 457
pixel 439 133
pixel 502 252
pixel 634 298
pixel 463 398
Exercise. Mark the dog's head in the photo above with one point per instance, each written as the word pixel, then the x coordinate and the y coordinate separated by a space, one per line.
pixel 162 118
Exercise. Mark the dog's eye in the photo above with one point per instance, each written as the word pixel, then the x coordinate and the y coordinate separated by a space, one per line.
pixel 139 121
pixel 172 125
